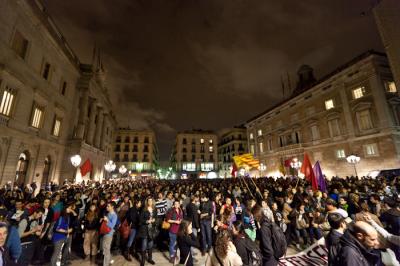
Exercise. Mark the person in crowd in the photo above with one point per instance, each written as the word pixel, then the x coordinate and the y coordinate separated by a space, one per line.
pixel 29 229
pixel 356 246
pixel 174 218
pixel 13 241
pixel 224 252
pixel 91 236
pixel 186 241
pixel 239 209
pixel 111 220
pixel 206 218
pixel 241 241
pixel 147 231
pixel 264 236
pixel 5 259
pixel 61 231
pixel 338 226
pixel 133 217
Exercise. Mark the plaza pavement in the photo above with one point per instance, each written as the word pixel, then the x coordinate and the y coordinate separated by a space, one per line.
pixel 161 259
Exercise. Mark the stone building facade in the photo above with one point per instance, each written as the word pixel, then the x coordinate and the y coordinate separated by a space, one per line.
pixel 353 110
pixel 137 150
pixel 387 18
pixel 39 98
pixel 232 142
pixel 195 153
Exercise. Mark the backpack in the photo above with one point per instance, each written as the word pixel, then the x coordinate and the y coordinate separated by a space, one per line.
pixel 278 240
pixel 253 253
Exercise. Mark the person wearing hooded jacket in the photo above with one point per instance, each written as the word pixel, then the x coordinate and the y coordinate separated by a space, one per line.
pixel 356 246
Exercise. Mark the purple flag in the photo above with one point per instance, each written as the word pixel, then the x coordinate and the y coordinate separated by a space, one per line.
pixel 320 177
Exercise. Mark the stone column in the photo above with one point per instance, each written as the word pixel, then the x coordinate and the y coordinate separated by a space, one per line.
pixel 346 111
pixel 104 132
pixel 91 125
pixel 381 103
pixel 99 127
pixel 83 109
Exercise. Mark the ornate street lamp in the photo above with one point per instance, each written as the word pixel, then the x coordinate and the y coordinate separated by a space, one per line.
pixel 296 164
pixel 109 166
pixel 353 159
pixel 122 170
pixel 75 161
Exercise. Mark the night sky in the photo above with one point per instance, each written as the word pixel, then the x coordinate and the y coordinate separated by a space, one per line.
pixel 182 64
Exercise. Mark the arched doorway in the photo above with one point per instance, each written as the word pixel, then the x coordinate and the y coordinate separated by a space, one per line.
pixel 46 171
pixel 22 168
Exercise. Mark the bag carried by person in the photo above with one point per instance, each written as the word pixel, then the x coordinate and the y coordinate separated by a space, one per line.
pixel 104 229
pixel 278 241
pixel 165 225
pixel 153 231
pixel 253 253
pixel 125 229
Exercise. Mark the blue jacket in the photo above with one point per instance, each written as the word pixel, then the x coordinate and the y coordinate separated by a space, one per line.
pixel 112 221
pixel 13 243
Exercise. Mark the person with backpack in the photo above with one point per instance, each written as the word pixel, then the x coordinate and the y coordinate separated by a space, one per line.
pixel 245 247
pixel 272 239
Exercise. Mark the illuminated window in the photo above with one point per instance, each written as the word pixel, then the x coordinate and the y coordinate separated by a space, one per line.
pixel 189 166
pixel 259 132
pixel 37 116
pixel 261 147
pixel 358 92
pixel 207 166
pixel 7 102
pixel 390 86
pixel 252 148
pixel 56 126
pixel 371 150
pixel 270 144
pixel 210 141
pixel 340 154
pixel 19 44
pixel 329 104
pixel 201 141
pixel 251 136
pixel 211 149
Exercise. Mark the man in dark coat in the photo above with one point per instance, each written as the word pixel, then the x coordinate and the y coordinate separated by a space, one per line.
pixel 338 226
pixel 356 246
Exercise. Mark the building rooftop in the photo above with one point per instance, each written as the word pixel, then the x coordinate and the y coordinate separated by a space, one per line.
pixel 324 78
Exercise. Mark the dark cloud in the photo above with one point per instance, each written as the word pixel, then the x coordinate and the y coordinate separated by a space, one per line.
pixel 179 64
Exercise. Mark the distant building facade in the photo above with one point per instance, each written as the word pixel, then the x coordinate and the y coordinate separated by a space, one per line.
pixel 41 104
pixel 136 150
pixel 353 110
pixel 387 18
pixel 232 142
pixel 195 153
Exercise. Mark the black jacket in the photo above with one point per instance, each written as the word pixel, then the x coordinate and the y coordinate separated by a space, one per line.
pixel 353 253
pixel 192 215
pixel 240 244
pixel 184 244
pixel 391 218
pixel 133 217
pixel 265 238
pixel 332 244
pixel 143 226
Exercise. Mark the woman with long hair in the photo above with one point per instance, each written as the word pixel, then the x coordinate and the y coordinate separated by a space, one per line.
pixel 240 240
pixel 147 230
pixel 186 240
pixel 224 252
pixel 174 218
pixel 91 237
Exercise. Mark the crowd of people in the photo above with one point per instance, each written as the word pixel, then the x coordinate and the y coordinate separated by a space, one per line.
pixel 238 221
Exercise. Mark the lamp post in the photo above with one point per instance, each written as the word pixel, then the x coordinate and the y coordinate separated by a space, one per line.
pixel 122 170
pixel 353 159
pixel 75 161
pixel 109 166
pixel 296 164
pixel 263 167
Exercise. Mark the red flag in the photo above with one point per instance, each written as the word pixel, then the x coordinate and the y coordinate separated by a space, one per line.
pixel 287 162
pixel 86 167
pixel 234 170
pixel 307 170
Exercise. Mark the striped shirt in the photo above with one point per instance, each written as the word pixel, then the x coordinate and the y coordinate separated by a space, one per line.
pixel 161 207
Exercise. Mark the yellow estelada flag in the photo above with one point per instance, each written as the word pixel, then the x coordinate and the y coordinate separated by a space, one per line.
pixel 246 160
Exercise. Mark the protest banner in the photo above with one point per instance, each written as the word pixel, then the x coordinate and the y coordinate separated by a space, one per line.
pixel 315 255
